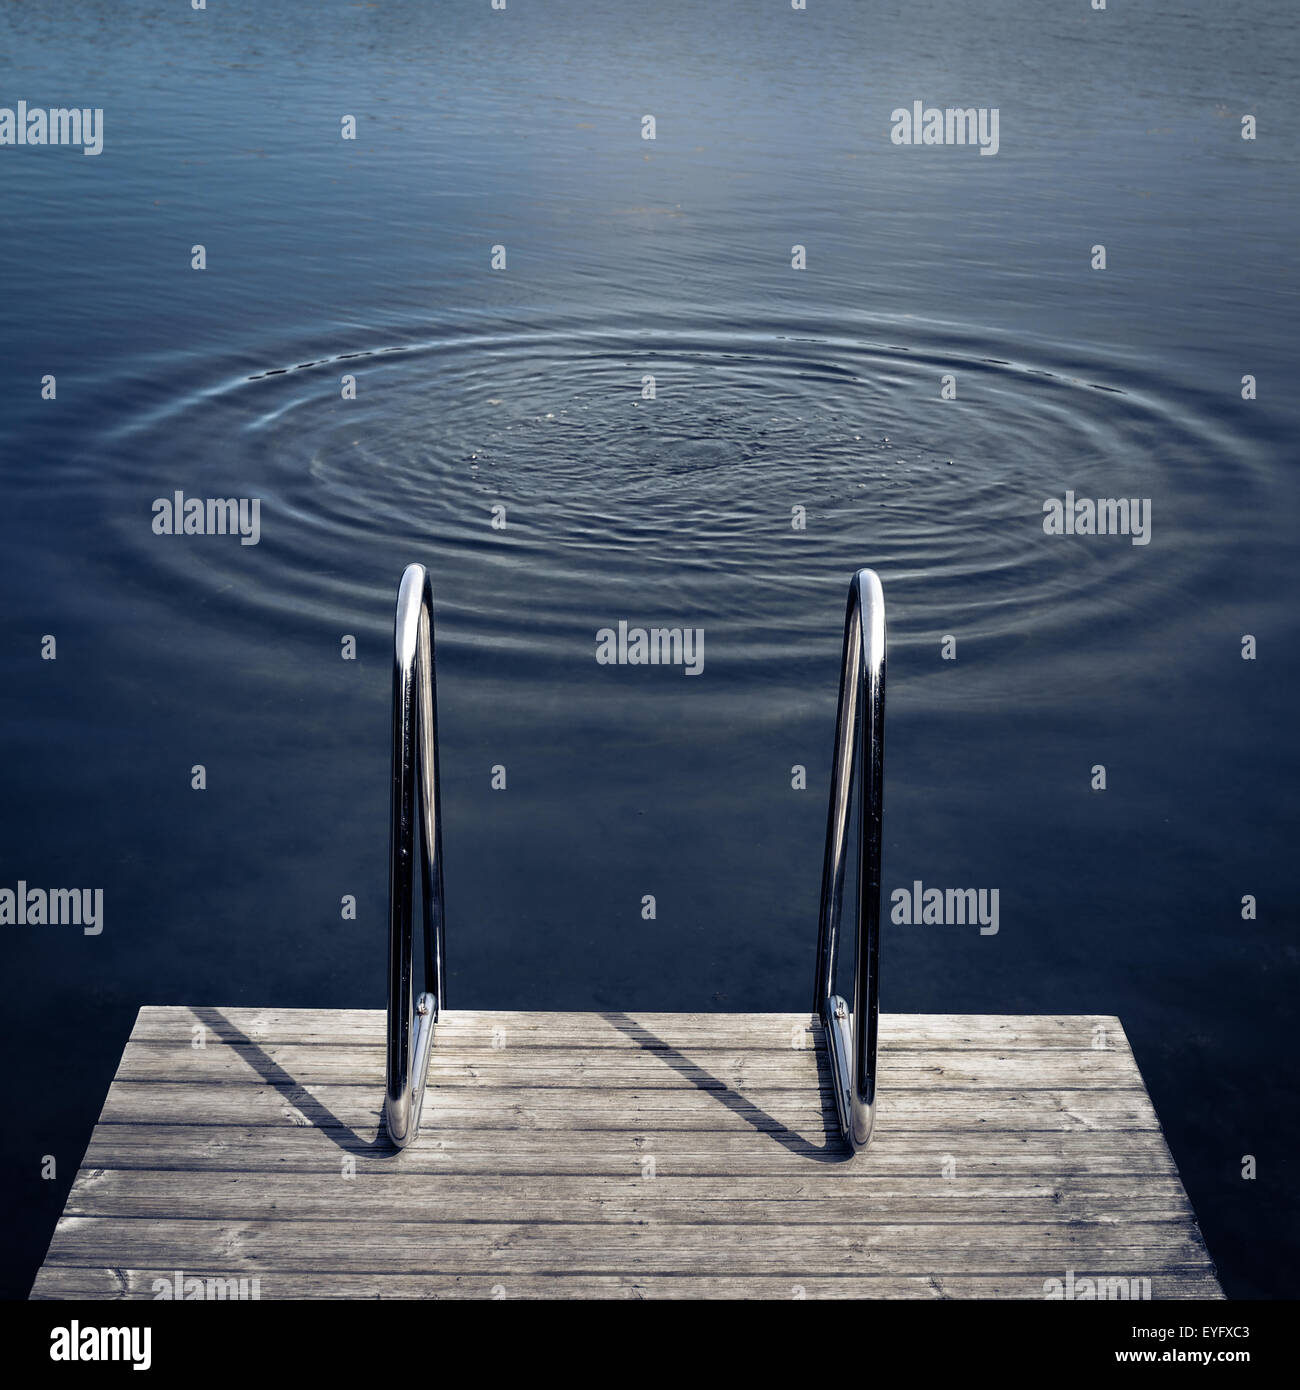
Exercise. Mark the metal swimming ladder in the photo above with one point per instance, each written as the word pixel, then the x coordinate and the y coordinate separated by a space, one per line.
pixel 859 765
pixel 856 780
pixel 415 799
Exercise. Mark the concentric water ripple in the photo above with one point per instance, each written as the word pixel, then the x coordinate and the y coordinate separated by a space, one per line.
pixel 678 509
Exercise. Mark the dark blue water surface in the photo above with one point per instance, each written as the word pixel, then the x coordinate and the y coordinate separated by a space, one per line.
pixel 776 388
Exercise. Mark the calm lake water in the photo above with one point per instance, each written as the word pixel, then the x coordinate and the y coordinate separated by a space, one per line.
pixel 775 389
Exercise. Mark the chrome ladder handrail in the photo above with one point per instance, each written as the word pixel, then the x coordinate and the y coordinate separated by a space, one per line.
pixel 414 798
pixel 858 762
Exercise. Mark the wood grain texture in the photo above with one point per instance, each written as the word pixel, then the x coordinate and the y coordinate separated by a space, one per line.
pixel 621 1155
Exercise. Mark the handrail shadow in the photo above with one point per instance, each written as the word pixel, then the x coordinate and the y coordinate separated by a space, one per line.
pixel 319 1114
pixel 834 1150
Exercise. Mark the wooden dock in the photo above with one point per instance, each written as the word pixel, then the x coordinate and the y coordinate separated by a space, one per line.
pixel 609 1155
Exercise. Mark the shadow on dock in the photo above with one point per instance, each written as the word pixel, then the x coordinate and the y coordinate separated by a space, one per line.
pixel 833 1150
pixel 302 1100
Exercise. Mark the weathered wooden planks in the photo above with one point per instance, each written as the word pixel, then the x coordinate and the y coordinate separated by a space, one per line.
pixel 615 1155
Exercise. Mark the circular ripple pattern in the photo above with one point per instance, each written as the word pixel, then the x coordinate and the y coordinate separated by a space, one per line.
pixel 678 509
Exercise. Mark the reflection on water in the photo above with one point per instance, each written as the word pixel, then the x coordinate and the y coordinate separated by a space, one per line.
pixel 796 430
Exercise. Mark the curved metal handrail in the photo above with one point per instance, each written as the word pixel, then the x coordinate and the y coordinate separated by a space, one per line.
pixel 414 798
pixel 859 762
